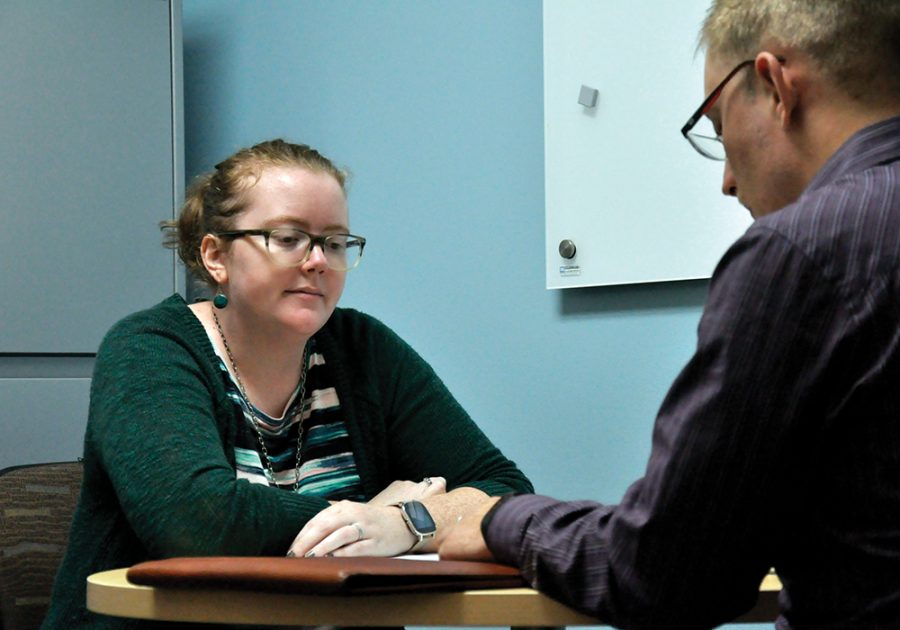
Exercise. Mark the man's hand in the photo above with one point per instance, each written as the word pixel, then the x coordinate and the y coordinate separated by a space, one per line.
pixel 463 541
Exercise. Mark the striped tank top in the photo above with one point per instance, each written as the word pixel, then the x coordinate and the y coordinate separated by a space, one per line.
pixel 327 466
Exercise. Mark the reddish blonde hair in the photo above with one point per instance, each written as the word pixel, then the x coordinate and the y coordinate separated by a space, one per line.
pixel 216 198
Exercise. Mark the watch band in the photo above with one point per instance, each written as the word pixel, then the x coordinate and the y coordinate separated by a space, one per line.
pixel 418 521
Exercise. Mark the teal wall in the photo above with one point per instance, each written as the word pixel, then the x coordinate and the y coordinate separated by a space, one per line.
pixel 437 109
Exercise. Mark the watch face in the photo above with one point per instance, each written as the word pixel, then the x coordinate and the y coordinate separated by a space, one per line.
pixel 419 517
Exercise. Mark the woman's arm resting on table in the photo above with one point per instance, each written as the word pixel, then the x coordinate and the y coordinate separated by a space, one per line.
pixel 371 529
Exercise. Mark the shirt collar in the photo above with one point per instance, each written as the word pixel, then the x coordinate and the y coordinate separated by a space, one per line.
pixel 868 147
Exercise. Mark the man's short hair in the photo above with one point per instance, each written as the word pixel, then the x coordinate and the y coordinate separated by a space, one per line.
pixel 855 43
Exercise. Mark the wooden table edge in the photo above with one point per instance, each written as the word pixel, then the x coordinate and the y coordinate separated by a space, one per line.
pixel 110 592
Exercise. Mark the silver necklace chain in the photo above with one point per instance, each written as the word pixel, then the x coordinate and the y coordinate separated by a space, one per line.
pixel 270 472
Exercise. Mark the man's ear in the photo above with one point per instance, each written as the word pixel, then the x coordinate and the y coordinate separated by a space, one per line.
pixel 781 86
pixel 213 256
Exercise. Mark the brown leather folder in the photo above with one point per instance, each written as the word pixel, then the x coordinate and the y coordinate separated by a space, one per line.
pixel 324 576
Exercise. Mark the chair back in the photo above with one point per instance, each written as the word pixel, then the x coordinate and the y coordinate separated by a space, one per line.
pixel 37 502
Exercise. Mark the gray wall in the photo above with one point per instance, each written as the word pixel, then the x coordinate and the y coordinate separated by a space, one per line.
pixel 91 161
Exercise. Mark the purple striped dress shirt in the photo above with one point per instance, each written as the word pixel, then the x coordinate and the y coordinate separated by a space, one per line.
pixel 778 445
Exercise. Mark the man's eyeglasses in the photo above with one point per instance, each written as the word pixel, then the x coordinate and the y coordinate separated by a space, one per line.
pixel 290 247
pixel 707 142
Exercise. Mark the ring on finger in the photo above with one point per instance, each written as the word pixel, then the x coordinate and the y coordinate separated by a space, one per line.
pixel 427 481
pixel 359 530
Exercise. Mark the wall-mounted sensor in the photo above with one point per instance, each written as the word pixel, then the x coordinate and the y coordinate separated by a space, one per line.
pixel 588 96
pixel 567 249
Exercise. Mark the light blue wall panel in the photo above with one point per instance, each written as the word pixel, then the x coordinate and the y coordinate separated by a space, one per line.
pixel 436 107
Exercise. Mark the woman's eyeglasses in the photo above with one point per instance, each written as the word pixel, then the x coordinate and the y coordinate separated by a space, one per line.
pixel 290 247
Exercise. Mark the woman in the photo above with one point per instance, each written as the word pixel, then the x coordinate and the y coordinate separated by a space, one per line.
pixel 268 421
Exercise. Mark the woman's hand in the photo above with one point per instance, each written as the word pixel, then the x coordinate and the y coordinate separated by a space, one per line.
pixel 402 490
pixel 348 528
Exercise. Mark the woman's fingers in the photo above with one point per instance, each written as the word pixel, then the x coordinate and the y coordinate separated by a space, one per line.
pixel 339 539
pixel 325 524
pixel 405 490
pixel 431 486
pixel 349 528
pixel 365 547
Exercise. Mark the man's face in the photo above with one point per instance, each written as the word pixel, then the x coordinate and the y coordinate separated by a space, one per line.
pixel 759 169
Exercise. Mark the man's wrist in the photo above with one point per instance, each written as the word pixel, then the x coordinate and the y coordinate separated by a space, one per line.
pixel 489 515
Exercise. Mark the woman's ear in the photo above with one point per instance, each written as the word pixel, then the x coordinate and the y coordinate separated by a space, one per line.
pixel 781 84
pixel 213 256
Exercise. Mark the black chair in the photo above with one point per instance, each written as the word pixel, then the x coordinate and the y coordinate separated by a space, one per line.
pixel 37 502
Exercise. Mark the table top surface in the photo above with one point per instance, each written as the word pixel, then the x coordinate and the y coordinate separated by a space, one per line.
pixel 110 593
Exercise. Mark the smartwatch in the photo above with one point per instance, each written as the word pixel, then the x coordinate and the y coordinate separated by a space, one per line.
pixel 418 521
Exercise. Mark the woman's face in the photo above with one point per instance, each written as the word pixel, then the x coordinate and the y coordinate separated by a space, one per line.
pixel 270 297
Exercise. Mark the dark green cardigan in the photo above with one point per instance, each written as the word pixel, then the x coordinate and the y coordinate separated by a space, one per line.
pixel 159 478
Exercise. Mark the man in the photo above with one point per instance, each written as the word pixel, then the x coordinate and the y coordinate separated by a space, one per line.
pixel 779 443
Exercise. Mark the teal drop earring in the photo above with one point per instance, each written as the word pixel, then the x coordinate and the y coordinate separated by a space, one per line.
pixel 220 300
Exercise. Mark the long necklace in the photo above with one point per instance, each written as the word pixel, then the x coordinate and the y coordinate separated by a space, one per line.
pixel 270 472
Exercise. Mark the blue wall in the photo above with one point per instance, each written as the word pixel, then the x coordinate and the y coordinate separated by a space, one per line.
pixel 437 109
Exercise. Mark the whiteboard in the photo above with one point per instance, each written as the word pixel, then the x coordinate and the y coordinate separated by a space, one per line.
pixel 621 182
